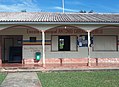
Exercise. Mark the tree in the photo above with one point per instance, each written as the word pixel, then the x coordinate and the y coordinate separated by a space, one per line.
pixel 23 10
pixel 84 11
pixel 81 11
pixel 91 11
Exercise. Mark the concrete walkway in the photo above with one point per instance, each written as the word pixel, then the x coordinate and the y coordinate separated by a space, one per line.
pixel 22 79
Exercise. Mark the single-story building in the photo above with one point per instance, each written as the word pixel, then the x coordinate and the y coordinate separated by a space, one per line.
pixel 59 38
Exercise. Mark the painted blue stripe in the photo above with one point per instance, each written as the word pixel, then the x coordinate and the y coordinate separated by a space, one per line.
pixel 37 40
pixel 47 40
pixel 29 40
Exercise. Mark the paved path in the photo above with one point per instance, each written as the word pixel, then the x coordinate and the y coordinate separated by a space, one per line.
pixel 23 79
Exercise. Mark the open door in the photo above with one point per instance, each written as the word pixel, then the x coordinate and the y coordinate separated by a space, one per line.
pixel 8 42
pixel 12 49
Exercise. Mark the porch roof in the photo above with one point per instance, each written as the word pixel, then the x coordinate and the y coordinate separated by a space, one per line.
pixel 58 17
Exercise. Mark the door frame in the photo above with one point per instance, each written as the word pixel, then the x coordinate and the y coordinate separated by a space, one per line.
pixel 3 46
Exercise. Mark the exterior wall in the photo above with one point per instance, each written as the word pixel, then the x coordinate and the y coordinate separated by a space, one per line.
pixel 82 52
pixel 29 48
pixel 49 26
pixel 106 54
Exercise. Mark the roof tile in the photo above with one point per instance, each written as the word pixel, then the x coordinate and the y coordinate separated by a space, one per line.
pixel 57 17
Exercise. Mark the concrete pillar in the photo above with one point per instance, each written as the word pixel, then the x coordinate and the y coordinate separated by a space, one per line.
pixel 89 43
pixel 43 45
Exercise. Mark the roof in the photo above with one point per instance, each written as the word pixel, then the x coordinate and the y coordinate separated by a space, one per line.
pixel 57 17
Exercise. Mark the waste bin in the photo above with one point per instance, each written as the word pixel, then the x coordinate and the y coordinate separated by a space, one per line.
pixel 38 56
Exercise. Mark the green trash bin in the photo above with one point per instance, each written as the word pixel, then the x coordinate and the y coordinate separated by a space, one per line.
pixel 38 56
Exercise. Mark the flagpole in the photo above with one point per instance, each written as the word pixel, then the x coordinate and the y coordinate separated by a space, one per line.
pixel 63 5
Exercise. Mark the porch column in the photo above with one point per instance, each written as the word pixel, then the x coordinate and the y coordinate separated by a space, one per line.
pixel 89 42
pixel 43 45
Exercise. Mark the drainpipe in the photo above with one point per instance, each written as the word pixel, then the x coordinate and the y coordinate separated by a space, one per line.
pixel 89 42
pixel 43 45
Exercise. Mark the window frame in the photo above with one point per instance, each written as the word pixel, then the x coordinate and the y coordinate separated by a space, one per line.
pixel 106 50
pixel 64 49
pixel 31 39
pixel 70 44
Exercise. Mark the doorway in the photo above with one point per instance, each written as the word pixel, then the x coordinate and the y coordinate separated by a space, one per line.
pixel 12 49
pixel 64 43
pixel 8 42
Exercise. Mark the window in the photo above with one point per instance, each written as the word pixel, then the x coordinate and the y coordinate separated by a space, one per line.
pixel 73 43
pixel 54 43
pixel 61 43
pixel 105 43
pixel 32 39
pixel 64 43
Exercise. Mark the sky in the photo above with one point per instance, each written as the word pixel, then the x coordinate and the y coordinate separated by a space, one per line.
pixel 98 6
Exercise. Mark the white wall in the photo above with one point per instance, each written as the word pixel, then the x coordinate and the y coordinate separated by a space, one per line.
pixel 29 50
pixel 82 52
pixel 106 54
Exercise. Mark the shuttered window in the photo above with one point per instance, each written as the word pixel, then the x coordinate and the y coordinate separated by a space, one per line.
pixel 64 43
pixel 54 43
pixel 105 43
pixel 73 42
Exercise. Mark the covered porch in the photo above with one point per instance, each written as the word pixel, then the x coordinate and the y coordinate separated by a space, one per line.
pixel 69 38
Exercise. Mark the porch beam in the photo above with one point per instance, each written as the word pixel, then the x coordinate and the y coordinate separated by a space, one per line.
pixel 89 43
pixel 89 23
pixel 43 45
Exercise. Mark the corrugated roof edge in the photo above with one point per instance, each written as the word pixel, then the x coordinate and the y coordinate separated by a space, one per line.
pixel 61 12
pixel 47 17
pixel 62 23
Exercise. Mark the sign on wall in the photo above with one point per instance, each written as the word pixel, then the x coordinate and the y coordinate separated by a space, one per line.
pixel 82 41
pixel 65 31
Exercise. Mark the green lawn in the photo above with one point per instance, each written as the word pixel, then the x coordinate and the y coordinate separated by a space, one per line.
pixel 80 79
pixel 2 77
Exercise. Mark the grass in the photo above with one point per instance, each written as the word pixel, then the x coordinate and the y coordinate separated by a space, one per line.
pixel 2 77
pixel 80 79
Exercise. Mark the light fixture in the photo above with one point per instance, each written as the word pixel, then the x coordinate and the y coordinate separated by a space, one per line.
pixel 65 27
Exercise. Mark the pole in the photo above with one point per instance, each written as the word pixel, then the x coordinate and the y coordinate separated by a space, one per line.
pixel 43 45
pixel 89 42
pixel 63 5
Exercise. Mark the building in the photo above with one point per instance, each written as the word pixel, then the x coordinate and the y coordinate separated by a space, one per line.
pixel 61 38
